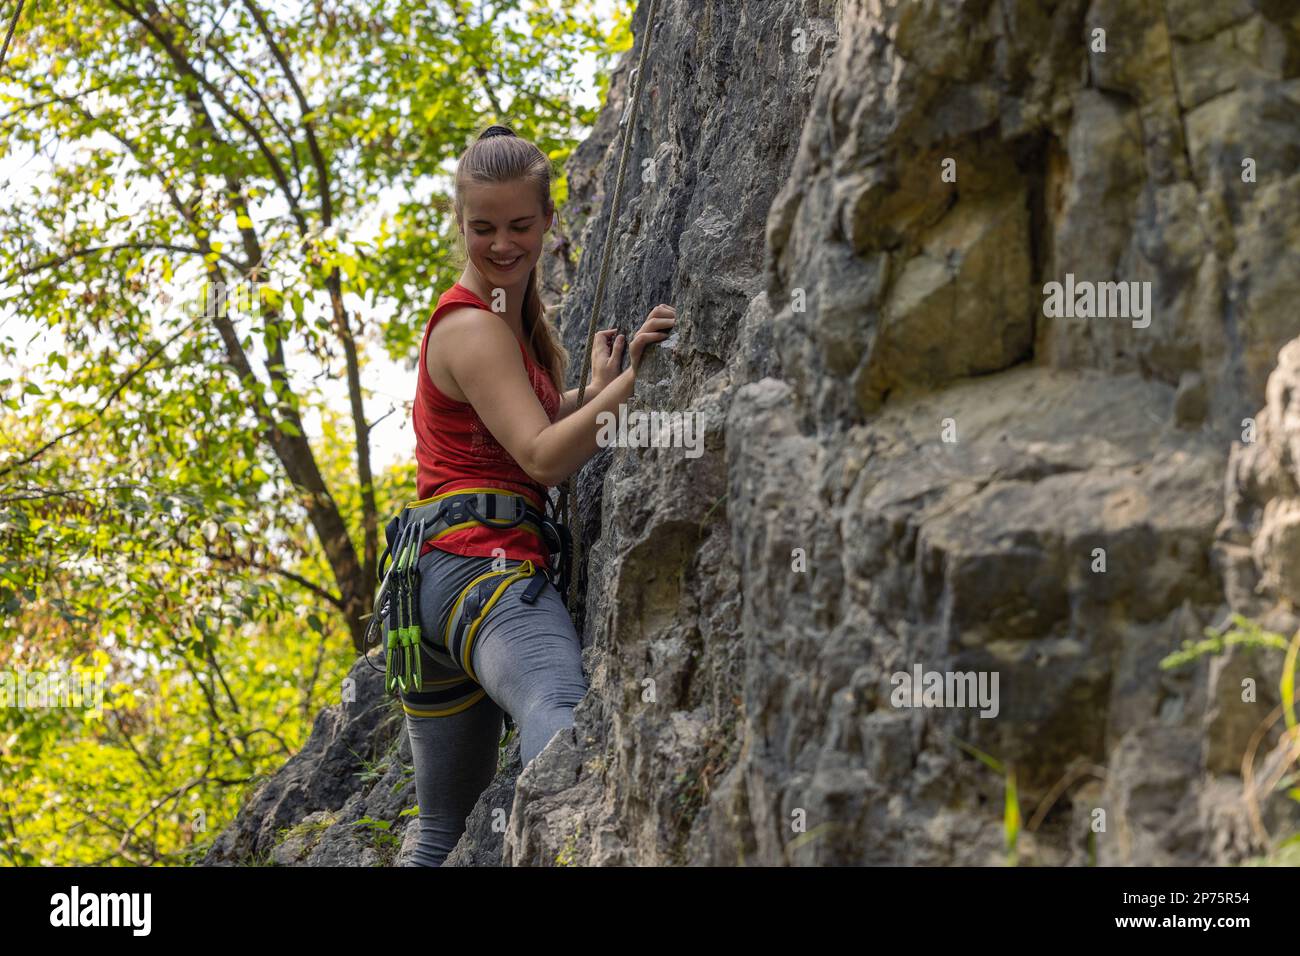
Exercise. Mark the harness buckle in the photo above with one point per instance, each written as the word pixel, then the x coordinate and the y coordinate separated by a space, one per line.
pixel 455 512
pixel 534 589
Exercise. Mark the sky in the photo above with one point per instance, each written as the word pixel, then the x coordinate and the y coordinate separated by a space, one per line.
pixel 391 384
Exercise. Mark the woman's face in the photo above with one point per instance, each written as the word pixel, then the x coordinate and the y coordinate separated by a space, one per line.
pixel 504 227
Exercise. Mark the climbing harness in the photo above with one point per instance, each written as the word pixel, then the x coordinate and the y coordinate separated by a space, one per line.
pixel 396 617
pixel 626 123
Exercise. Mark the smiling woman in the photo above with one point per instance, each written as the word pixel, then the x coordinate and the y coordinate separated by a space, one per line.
pixel 504 210
pixel 478 628
pixel 496 636
pixel 506 253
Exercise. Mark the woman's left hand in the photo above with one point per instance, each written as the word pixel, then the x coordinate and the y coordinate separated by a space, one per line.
pixel 606 358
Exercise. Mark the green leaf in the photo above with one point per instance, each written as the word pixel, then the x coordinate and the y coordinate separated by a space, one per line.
pixel 1288 681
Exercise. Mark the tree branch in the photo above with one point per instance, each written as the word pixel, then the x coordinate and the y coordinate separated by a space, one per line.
pixel 317 156
pixel 4 50
pixel 112 396
pixel 186 68
pixel 92 250
pixel 54 99
pixel 238 561
pixel 293 145
pixel 369 518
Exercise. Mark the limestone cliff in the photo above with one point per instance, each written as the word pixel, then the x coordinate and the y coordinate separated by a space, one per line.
pixel 912 459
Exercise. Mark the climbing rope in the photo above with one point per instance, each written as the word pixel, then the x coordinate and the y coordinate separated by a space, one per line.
pixel 627 123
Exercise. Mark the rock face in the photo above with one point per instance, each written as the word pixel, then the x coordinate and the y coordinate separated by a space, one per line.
pixel 886 397
pixel 915 461
pixel 308 813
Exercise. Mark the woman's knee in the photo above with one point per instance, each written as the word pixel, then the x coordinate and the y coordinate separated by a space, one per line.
pixel 539 727
pixel 561 696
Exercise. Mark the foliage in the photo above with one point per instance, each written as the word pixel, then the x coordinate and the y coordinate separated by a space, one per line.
pixel 185 502
pixel 1010 800
pixel 1241 630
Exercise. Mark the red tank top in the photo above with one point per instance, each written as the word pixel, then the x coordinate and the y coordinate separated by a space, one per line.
pixel 454 450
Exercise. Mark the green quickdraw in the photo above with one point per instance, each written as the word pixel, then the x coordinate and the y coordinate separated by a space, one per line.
pixel 402 624
pixel 395 617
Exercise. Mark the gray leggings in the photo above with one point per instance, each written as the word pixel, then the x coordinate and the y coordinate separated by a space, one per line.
pixel 528 659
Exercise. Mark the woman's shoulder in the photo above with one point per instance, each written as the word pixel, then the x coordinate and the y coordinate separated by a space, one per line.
pixel 460 319
pixel 458 326
pixel 455 300
pixel 458 309
pixel 461 295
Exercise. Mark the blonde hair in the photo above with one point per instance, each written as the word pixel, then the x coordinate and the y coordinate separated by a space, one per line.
pixel 500 156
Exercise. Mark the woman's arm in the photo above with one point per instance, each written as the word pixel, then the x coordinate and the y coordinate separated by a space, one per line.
pixel 564 447
pixel 502 395
pixel 569 400
pixel 478 347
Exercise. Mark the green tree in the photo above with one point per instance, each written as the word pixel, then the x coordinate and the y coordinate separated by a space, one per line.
pixel 157 476
pixel 229 145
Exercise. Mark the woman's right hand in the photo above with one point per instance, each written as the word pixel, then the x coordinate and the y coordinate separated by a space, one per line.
pixel 661 317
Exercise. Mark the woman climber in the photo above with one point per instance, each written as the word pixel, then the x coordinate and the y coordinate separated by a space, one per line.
pixel 493 433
